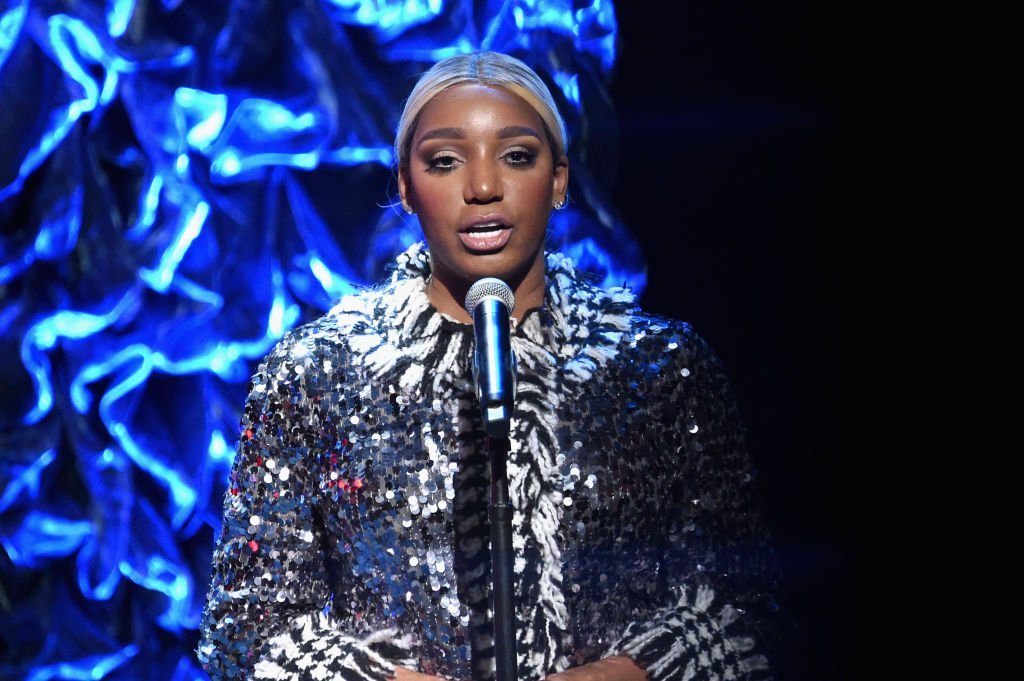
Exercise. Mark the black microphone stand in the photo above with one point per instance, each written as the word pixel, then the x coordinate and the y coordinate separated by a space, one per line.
pixel 500 514
pixel 490 302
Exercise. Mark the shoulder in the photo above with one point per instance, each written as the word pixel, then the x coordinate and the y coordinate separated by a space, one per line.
pixel 326 336
pixel 301 353
pixel 366 328
pixel 672 348
pixel 673 336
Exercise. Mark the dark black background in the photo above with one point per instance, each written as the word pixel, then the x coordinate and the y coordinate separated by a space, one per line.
pixel 731 131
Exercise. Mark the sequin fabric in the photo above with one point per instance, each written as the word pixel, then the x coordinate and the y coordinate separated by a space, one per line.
pixel 355 532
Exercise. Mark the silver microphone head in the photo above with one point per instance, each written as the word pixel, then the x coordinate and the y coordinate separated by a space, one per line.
pixel 489 286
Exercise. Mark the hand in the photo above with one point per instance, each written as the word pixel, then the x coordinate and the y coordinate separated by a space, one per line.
pixel 403 674
pixel 617 668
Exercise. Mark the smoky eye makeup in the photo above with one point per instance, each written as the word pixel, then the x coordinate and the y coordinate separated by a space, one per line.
pixel 520 157
pixel 442 161
pixel 439 161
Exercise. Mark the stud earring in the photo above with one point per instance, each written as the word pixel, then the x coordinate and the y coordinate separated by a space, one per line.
pixel 560 204
pixel 408 209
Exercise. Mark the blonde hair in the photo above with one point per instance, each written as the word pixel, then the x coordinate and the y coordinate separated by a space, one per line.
pixel 486 68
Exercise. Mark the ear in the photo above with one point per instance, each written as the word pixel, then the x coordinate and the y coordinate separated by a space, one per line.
pixel 403 188
pixel 561 178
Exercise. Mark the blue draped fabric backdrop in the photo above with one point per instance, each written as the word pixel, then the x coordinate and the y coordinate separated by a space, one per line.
pixel 181 182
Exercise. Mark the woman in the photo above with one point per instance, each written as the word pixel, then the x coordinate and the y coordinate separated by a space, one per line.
pixel 355 537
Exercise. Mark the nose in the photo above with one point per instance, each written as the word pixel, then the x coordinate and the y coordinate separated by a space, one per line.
pixel 483 183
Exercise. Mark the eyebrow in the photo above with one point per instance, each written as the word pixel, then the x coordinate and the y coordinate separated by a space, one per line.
pixel 518 131
pixel 459 133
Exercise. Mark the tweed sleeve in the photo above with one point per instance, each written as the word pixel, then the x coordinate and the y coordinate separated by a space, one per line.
pixel 720 617
pixel 268 611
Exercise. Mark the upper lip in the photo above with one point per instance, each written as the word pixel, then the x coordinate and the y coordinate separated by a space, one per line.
pixel 488 219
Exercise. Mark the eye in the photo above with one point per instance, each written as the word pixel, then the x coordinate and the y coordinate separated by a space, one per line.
pixel 442 162
pixel 520 158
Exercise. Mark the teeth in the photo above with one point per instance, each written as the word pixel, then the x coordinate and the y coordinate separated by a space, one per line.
pixel 486 227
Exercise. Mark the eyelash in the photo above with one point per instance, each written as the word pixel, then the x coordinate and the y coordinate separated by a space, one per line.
pixel 434 163
pixel 527 162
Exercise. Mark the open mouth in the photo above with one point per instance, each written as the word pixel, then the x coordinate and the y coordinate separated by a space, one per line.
pixel 485 236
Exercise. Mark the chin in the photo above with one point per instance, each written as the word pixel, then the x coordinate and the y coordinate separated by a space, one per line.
pixel 509 269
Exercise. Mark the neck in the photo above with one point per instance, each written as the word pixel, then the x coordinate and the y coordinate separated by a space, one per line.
pixel 448 298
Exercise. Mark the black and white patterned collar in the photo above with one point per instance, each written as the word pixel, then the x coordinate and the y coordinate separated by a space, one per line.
pixel 580 323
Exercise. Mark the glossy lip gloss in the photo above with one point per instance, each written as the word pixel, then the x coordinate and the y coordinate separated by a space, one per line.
pixel 485 233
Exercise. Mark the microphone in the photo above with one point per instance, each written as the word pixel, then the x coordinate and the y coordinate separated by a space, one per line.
pixel 490 303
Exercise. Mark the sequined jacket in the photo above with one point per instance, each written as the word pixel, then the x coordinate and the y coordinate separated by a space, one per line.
pixel 355 536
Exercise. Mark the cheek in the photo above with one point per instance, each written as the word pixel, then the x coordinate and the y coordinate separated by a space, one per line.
pixel 535 191
pixel 436 199
pixel 431 196
pixel 437 209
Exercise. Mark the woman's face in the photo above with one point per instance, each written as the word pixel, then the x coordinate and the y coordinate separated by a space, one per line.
pixel 482 178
